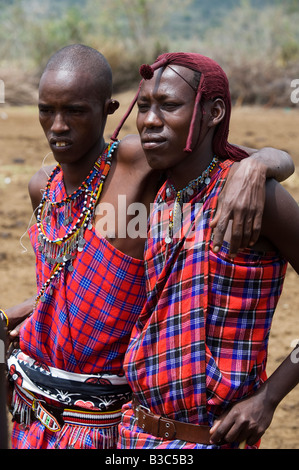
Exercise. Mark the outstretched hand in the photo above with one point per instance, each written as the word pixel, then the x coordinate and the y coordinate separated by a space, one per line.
pixel 242 201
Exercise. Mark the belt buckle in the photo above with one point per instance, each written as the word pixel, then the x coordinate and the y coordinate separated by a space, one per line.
pixel 46 418
pixel 145 410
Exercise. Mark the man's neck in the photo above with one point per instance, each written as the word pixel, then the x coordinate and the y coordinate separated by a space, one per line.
pixel 75 173
pixel 192 167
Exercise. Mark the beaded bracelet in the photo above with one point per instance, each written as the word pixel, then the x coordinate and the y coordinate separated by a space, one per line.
pixel 3 316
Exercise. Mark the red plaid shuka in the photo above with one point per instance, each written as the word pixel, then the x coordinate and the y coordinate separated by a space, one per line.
pixel 201 340
pixel 84 324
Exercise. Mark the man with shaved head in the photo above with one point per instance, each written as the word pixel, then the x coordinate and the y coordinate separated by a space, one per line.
pixel 67 374
pixel 70 58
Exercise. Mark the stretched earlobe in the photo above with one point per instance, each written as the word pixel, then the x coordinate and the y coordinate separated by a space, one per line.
pixel 112 106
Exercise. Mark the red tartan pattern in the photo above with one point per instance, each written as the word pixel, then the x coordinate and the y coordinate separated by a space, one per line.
pixel 38 436
pixel 200 342
pixel 84 325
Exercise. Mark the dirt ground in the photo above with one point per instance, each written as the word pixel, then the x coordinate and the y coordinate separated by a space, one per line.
pixel 23 148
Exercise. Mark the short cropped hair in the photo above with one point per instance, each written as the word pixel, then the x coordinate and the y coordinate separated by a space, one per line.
pixel 80 57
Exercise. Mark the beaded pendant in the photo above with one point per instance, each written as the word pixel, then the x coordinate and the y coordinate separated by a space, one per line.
pixel 61 251
pixel 183 195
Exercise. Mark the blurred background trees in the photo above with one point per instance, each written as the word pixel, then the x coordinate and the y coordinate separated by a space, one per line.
pixel 256 42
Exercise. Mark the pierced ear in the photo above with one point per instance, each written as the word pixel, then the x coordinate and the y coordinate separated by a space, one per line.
pixel 112 106
pixel 217 112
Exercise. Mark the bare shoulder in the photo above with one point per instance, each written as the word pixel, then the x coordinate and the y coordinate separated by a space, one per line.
pixel 130 151
pixel 281 221
pixel 37 183
pixel 132 167
pixel 279 202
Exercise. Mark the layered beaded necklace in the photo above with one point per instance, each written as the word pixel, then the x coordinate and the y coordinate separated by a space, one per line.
pixel 184 195
pixel 60 251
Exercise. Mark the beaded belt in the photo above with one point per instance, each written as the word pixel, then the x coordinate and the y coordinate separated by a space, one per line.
pixel 54 417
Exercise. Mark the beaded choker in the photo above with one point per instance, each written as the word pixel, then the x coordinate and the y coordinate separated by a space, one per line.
pixel 62 250
pixel 183 195
pixel 194 185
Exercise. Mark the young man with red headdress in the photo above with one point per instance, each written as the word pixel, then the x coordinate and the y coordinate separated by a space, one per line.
pixel 68 381
pixel 197 355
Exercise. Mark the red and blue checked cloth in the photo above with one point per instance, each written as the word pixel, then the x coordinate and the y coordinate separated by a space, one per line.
pixel 86 320
pixel 201 340
pixel 83 326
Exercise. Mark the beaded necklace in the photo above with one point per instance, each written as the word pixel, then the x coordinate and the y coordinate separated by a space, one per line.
pixel 183 195
pixel 61 251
